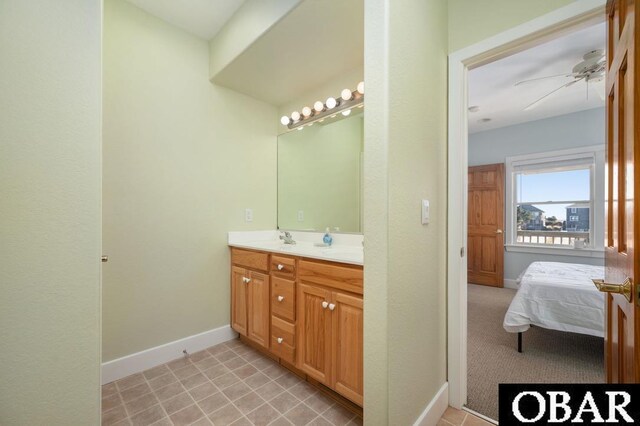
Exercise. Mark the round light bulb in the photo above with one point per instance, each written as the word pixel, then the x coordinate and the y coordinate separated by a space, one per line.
pixel 295 116
pixel 318 106
pixel 346 94
pixel 331 103
pixel 285 120
pixel 360 88
pixel 347 112
pixel 306 112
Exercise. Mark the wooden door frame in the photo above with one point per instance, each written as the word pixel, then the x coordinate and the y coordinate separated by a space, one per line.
pixel 576 15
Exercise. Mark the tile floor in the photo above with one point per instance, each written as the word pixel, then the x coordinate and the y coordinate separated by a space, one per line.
pixel 227 384
pixel 453 417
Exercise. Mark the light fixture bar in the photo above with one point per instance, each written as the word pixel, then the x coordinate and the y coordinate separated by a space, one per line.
pixel 357 100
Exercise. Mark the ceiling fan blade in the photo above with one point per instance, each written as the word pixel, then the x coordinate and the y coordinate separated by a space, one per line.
pixel 542 78
pixel 537 102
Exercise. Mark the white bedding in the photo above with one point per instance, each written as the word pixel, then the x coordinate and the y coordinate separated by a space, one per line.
pixel 559 296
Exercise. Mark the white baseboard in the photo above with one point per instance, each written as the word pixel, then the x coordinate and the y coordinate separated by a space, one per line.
pixel 149 358
pixel 436 408
pixel 509 283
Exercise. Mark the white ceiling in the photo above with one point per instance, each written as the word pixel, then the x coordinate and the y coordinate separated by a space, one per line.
pixel 491 87
pixel 202 18
pixel 316 42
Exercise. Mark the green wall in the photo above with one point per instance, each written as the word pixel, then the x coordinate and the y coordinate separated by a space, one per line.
pixel 183 158
pixel 50 226
pixel 471 21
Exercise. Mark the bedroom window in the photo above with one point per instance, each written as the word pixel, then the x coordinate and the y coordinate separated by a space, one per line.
pixel 550 200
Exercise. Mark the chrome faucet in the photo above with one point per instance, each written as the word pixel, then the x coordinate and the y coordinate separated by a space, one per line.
pixel 287 238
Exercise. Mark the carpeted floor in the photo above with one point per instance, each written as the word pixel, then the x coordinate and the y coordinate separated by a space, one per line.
pixel 549 356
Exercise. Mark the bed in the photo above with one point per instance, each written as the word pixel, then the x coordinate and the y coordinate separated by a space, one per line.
pixel 557 296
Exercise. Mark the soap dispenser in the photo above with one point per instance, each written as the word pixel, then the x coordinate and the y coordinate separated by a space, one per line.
pixel 327 239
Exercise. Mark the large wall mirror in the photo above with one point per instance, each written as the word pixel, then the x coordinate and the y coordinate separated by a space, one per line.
pixel 320 175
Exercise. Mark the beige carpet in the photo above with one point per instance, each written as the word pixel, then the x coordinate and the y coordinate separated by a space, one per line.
pixel 548 356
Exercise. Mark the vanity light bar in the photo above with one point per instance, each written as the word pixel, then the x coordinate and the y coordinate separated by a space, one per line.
pixel 348 99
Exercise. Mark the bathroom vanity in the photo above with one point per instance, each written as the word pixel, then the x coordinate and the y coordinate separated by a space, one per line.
pixel 303 304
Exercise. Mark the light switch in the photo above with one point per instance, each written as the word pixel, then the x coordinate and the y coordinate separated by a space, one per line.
pixel 300 215
pixel 425 212
pixel 248 215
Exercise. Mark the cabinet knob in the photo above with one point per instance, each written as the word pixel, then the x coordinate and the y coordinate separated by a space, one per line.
pixel 280 267
pixel 332 306
pixel 280 340
pixel 280 298
pixel 325 304
pixel 246 280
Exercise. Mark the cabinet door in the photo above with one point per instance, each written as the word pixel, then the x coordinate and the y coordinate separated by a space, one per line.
pixel 347 345
pixel 314 332
pixel 258 308
pixel 239 299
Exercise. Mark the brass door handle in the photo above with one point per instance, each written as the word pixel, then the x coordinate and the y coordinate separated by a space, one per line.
pixel 624 288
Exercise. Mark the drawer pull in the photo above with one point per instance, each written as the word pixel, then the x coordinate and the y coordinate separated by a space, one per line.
pixel 280 298
pixel 280 340
pixel 325 304
pixel 280 267
pixel 332 306
pixel 246 280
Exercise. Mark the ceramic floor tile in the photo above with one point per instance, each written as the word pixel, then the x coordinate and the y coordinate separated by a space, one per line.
pixel 222 385
pixel 453 416
pixel 177 403
pixel 218 349
pixel 135 392
pixel 235 391
pixel 199 356
pixel 148 417
pixel 225 380
pixel 319 403
pixel 248 403
pixel 280 421
pixel 111 401
pixel 114 415
pixel 169 391
pixel 303 390
pixel 269 391
pixel 141 404
pixel 187 416
pixel 203 391
pixel 162 381
pixel 301 415
pixel 284 402
pixel 257 380
pixel 263 415
pixel 213 402
pixel 193 381
pixel 338 415
pixel 225 415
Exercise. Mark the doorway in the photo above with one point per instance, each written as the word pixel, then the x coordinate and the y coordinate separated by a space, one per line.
pixel 563 21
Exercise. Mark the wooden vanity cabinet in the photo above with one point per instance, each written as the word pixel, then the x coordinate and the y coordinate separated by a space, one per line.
pixel 250 296
pixel 306 312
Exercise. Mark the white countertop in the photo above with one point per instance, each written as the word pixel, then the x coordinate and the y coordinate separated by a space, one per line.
pixel 346 248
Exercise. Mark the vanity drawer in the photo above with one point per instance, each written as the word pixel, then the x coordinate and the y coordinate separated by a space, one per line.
pixel 284 266
pixel 250 259
pixel 283 298
pixel 283 339
pixel 340 276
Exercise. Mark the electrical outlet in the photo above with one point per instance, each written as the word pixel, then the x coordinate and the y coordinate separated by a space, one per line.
pixel 300 215
pixel 248 215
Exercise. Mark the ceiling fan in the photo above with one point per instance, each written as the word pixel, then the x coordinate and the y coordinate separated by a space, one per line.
pixel 591 70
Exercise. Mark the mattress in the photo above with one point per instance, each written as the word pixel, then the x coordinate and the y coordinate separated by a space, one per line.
pixel 558 296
